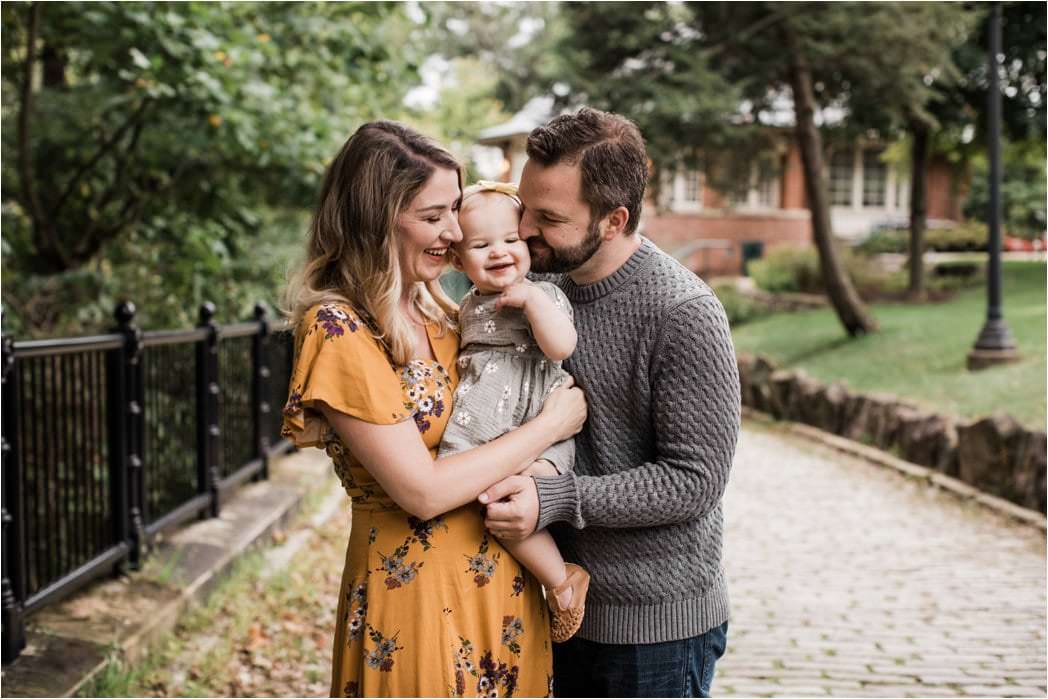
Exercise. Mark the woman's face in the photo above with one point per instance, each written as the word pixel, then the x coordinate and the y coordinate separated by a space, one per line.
pixel 428 226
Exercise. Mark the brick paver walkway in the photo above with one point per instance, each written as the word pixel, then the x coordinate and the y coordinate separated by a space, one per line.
pixel 849 580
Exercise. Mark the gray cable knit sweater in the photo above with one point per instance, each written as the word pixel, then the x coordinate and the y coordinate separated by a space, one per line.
pixel 656 360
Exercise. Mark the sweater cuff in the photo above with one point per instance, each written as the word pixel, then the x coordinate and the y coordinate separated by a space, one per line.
pixel 558 499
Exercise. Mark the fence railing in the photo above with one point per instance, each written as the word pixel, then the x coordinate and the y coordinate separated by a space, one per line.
pixel 111 439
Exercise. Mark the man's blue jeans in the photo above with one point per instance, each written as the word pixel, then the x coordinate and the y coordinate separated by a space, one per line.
pixel 682 668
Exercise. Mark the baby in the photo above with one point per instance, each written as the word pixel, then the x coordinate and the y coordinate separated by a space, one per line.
pixel 514 335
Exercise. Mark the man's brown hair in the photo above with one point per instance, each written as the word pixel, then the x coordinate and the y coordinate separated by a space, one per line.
pixel 609 151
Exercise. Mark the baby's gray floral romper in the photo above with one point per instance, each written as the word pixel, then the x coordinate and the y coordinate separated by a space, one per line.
pixel 503 376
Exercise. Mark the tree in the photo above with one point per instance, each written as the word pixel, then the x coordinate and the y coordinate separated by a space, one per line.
pixel 515 43
pixel 141 132
pixel 707 75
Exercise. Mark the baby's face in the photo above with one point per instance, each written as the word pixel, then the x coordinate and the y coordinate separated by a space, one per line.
pixel 491 252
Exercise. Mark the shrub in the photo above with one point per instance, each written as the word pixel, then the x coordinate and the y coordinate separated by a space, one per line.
pixel 797 270
pixel 964 237
pixel 739 307
pixel 787 269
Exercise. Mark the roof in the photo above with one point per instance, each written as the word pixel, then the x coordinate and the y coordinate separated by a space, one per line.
pixel 535 113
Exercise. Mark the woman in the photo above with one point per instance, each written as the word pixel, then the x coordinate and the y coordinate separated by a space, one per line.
pixel 430 603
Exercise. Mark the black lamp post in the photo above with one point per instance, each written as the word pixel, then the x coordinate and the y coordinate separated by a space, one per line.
pixel 995 344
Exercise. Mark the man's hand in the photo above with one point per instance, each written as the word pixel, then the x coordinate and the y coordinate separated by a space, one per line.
pixel 513 508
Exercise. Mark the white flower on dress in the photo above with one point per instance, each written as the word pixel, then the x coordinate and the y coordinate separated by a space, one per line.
pixel 462 362
pixel 463 418
pixel 542 364
pixel 489 327
pixel 425 405
pixel 491 367
pixel 463 389
pixel 521 349
pixel 481 310
pixel 506 393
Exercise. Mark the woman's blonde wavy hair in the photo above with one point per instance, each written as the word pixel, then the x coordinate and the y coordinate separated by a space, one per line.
pixel 353 252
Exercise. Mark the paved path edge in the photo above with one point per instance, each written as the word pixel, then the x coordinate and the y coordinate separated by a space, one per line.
pixel 905 468
pixel 65 650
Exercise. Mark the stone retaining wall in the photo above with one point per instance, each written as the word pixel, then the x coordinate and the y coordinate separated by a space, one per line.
pixel 995 454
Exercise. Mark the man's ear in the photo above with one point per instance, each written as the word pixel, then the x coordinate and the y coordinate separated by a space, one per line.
pixel 455 261
pixel 615 223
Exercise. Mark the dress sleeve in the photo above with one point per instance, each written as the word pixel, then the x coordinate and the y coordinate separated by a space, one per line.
pixel 560 299
pixel 338 362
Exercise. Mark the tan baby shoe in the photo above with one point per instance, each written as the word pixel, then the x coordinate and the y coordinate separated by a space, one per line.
pixel 566 621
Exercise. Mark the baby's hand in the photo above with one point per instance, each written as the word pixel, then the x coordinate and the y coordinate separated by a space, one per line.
pixel 516 296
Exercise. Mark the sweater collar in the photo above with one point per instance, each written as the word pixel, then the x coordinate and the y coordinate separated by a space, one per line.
pixel 591 292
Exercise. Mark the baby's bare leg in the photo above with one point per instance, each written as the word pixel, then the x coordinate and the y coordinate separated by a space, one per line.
pixel 540 555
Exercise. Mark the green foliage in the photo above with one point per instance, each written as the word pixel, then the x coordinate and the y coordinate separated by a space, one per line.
pixel 465 106
pixel 966 237
pixel 738 307
pixel 171 148
pixel 787 269
pixel 513 44
pixel 796 270
pixel 1023 189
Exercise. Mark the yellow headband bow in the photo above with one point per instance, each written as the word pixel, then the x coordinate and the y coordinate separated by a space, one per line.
pixel 507 188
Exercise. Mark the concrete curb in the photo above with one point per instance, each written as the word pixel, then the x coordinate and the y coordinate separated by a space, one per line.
pixel 911 470
pixel 121 619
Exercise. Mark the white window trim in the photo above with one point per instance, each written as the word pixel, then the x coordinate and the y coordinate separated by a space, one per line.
pixel 892 175
pixel 753 202
pixel 678 203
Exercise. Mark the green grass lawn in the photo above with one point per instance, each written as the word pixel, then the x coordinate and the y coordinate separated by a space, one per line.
pixel 920 350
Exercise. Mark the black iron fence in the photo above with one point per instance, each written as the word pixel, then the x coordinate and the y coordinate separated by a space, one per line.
pixel 111 439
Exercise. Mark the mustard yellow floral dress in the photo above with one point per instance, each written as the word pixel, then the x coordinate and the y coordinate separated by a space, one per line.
pixel 427 608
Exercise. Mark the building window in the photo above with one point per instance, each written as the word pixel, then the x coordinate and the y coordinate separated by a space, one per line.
pixel 692 191
pixel 874 178
pixel 842 172
pixel 766 190
pixel 686 190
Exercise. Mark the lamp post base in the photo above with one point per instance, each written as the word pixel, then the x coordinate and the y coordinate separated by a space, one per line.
pixel 979 359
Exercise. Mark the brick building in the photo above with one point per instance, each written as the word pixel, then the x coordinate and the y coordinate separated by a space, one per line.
pixel 715 234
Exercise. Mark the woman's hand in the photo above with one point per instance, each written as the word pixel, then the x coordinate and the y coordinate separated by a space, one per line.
pixel 565 410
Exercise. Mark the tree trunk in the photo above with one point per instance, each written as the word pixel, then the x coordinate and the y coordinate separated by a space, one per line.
pixel 918 204
pixel 846 302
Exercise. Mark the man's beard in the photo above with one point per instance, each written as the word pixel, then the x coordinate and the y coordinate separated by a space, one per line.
pixel 547 259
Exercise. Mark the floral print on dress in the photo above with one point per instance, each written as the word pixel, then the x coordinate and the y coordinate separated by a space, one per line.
pixel 481 565
pixel 381 658
pixel 334 321
pixel 512 628
pixel 425 385
pixel 294 403
pixel 398 573
pixel 488 678
pixel 358 611
pixel 518 585
pixel 422 530
pixel 506 393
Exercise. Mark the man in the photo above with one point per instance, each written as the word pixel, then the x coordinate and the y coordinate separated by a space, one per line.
pixel 642 511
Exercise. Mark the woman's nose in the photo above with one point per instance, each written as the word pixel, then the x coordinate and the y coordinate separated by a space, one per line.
pixel 453 232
